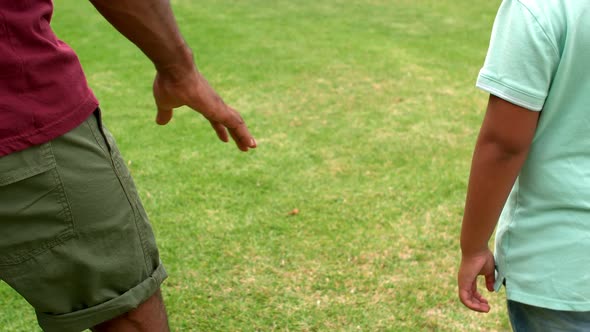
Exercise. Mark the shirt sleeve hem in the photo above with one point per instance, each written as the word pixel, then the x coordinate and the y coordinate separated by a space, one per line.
pixel 509 94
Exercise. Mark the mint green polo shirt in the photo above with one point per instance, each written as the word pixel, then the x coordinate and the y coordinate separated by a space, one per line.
pixel 539 58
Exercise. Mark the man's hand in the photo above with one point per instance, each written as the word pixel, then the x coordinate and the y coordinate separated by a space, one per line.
pixel 150 25
pixel 472 267
pixel 172 90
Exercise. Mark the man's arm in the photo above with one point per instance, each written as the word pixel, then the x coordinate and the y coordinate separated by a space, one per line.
pixel 501 149
pixel 150 25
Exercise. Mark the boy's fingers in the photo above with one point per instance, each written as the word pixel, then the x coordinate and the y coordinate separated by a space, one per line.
pixel 480 299
pixel 468 293
pixel 474 301
pixel 479 306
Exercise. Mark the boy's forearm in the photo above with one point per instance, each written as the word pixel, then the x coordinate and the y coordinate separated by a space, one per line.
pixel 493 172
pixel 150 25
pixel 503 144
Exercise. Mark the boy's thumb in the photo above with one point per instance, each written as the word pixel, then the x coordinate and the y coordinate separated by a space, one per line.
pixel 490 280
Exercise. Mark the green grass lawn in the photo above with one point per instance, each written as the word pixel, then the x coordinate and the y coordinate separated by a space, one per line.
pixel 366 115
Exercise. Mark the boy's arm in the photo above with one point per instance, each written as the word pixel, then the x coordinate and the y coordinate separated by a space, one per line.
pixel 501 149
pixel 150 25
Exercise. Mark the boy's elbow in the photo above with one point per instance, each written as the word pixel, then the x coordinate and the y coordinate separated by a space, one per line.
pixel 505 147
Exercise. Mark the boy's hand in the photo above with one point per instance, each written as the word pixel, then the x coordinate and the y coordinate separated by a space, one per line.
pixel 471 267
pixel 191 89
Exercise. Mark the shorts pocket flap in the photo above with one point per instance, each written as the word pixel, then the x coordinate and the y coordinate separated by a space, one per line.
pixel 24 164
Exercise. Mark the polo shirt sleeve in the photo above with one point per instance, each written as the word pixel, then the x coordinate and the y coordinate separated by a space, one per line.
pixel 521 59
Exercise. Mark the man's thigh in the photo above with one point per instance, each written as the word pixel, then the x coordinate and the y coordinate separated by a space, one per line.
pixel 78 244
pixel 527 318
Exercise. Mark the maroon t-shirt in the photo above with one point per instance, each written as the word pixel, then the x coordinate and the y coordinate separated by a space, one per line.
pixel 43 91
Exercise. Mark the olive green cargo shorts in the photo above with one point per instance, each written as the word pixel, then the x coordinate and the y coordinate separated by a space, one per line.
pixel 75 240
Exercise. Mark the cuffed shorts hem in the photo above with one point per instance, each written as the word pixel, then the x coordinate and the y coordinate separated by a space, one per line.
pixel 86 318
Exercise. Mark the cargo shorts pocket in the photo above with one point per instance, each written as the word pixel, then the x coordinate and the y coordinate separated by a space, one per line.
pixel 34 212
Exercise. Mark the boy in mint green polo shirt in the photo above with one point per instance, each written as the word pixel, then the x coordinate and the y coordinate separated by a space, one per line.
pixel 531 168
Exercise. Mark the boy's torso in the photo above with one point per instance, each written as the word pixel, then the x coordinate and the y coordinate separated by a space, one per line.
pixel 543 239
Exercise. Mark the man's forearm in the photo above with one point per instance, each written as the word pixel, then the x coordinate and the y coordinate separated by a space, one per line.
pixel 493 173
pixel 150 25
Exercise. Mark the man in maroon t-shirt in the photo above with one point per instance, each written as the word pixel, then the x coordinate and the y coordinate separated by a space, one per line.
pixel 76 241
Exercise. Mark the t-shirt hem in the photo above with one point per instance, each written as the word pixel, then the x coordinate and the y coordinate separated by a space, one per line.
pixel 547 303
pixel 50 131
pixel 509 93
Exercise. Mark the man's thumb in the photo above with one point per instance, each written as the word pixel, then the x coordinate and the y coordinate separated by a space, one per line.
pixel 163 116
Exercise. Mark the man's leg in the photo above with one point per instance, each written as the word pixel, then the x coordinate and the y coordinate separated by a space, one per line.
pixel 150 316
pixel 81 249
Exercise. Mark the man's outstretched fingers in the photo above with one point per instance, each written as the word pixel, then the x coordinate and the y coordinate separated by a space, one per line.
pixel 220 131
pixel 243 138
